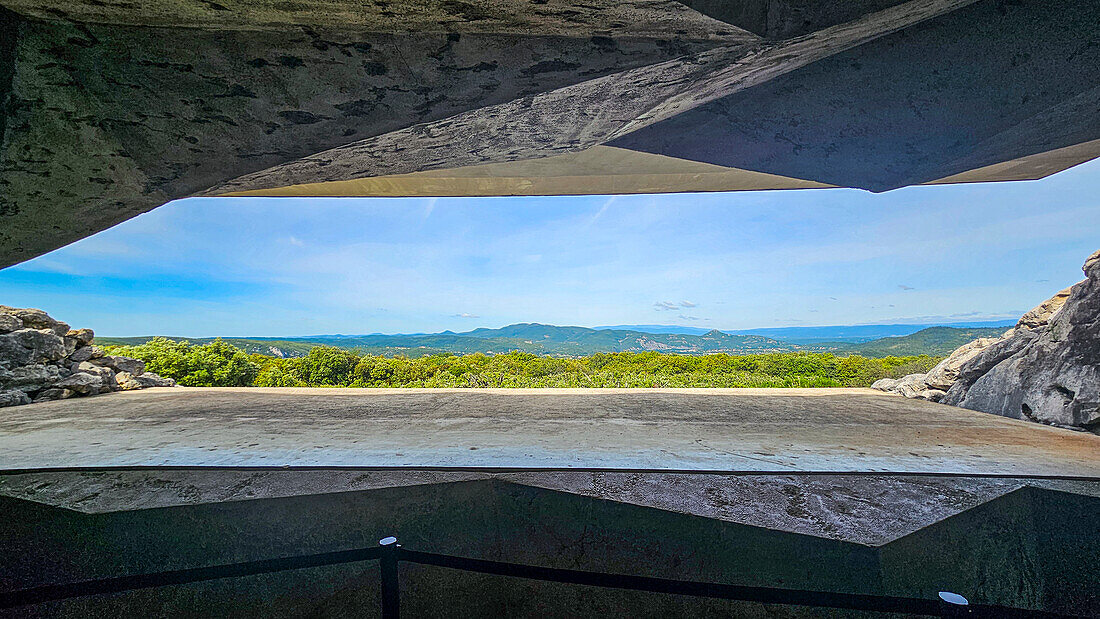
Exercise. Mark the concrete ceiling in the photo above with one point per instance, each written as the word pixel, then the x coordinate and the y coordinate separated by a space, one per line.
pixel 111 108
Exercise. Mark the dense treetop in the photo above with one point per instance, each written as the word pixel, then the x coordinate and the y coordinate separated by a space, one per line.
pixel 221 364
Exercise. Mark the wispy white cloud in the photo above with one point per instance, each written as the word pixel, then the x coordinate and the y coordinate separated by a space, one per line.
pixel 429 206
pixel 603 209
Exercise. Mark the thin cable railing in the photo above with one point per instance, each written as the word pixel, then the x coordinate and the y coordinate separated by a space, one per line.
pixel 390 554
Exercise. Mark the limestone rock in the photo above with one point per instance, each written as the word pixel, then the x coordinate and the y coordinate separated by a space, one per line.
pixel 54 393
pixel 106 374
pixel 911 385
pixel 946 372
pixel 27 346
pixel 13 397
pixel 36 319
pixel 1041 315
pixel 83 336
pixel 70 344
pixel 32 378
pixel 128 382
pixel 121 364
pixel 149 379
pixel 9 323
pixel 85 353
pixel 932 395
pixel 1049 373
pixel 82 383
pixel 885 384
pixel 43 358
pixel 1092 263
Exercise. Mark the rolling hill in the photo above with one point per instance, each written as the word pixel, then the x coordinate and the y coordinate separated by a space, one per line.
pixel 580 341
pixel 528 337
pixel 935 341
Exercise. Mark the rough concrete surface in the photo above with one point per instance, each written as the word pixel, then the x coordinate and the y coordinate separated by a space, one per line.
pixel 705 429
pixel 110 108
pixel 867 509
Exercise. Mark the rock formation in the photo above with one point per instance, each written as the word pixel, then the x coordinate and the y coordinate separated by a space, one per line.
pixel 1045 369
pixel 43 359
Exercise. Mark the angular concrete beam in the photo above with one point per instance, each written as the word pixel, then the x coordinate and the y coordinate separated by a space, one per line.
pixel 104 122
pixel 664 19
pixel 583 115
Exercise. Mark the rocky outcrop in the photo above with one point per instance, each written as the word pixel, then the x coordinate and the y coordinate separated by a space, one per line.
pixel 1045 369
pixel 43 359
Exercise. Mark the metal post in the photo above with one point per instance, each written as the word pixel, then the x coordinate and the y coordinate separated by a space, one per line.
pixel 391 588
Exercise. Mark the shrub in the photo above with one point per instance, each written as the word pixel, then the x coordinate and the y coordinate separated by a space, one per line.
pixel 216 364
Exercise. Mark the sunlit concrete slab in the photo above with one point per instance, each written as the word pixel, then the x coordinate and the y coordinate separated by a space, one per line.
pixel 597 170
pixel 664 429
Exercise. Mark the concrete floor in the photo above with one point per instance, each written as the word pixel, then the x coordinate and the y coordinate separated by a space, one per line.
pixel 712 429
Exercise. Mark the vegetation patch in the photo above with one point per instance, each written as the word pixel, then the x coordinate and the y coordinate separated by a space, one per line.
pixel 220 364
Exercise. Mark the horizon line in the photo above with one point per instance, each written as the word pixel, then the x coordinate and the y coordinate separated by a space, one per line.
pixel 1007 322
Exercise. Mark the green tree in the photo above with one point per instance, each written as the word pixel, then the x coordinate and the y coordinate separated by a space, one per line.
pixel 329 365
pixel 216 364
pixel 282 373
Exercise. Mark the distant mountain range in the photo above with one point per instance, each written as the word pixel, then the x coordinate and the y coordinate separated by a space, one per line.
pixel 580 341
pixel 838 333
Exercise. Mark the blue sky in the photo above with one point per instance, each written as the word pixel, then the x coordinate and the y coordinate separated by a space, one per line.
pixel 289 266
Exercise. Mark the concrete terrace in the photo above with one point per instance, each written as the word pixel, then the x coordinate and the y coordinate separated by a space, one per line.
pixel 803 430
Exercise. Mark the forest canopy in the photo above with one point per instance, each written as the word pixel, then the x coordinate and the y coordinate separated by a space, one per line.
pixel 219 364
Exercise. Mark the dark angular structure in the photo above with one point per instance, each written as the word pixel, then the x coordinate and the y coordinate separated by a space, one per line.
pixel 1025 545
pixel 110 108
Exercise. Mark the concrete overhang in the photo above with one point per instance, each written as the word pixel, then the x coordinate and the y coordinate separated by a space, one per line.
pixel 112 108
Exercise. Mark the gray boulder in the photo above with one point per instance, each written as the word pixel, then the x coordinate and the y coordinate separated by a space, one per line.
pixel 149 379
pixel 1044 372
pixel 1041 315
pixel 54 393
pixel 932 395
pixel 129 382
pixel 13 397
pixel 27 346
pixel 106 374
pixel 946 372
pixel 36 319
pixel 121 364
pixel 9 323
pixel 44 358
pixel 83 336
pixel 82 383
pixel 32 378
pixel 911 385
pixel 85 353
pixel 885 384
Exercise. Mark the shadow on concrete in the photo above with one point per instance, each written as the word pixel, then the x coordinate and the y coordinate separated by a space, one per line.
pixel 1029 548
